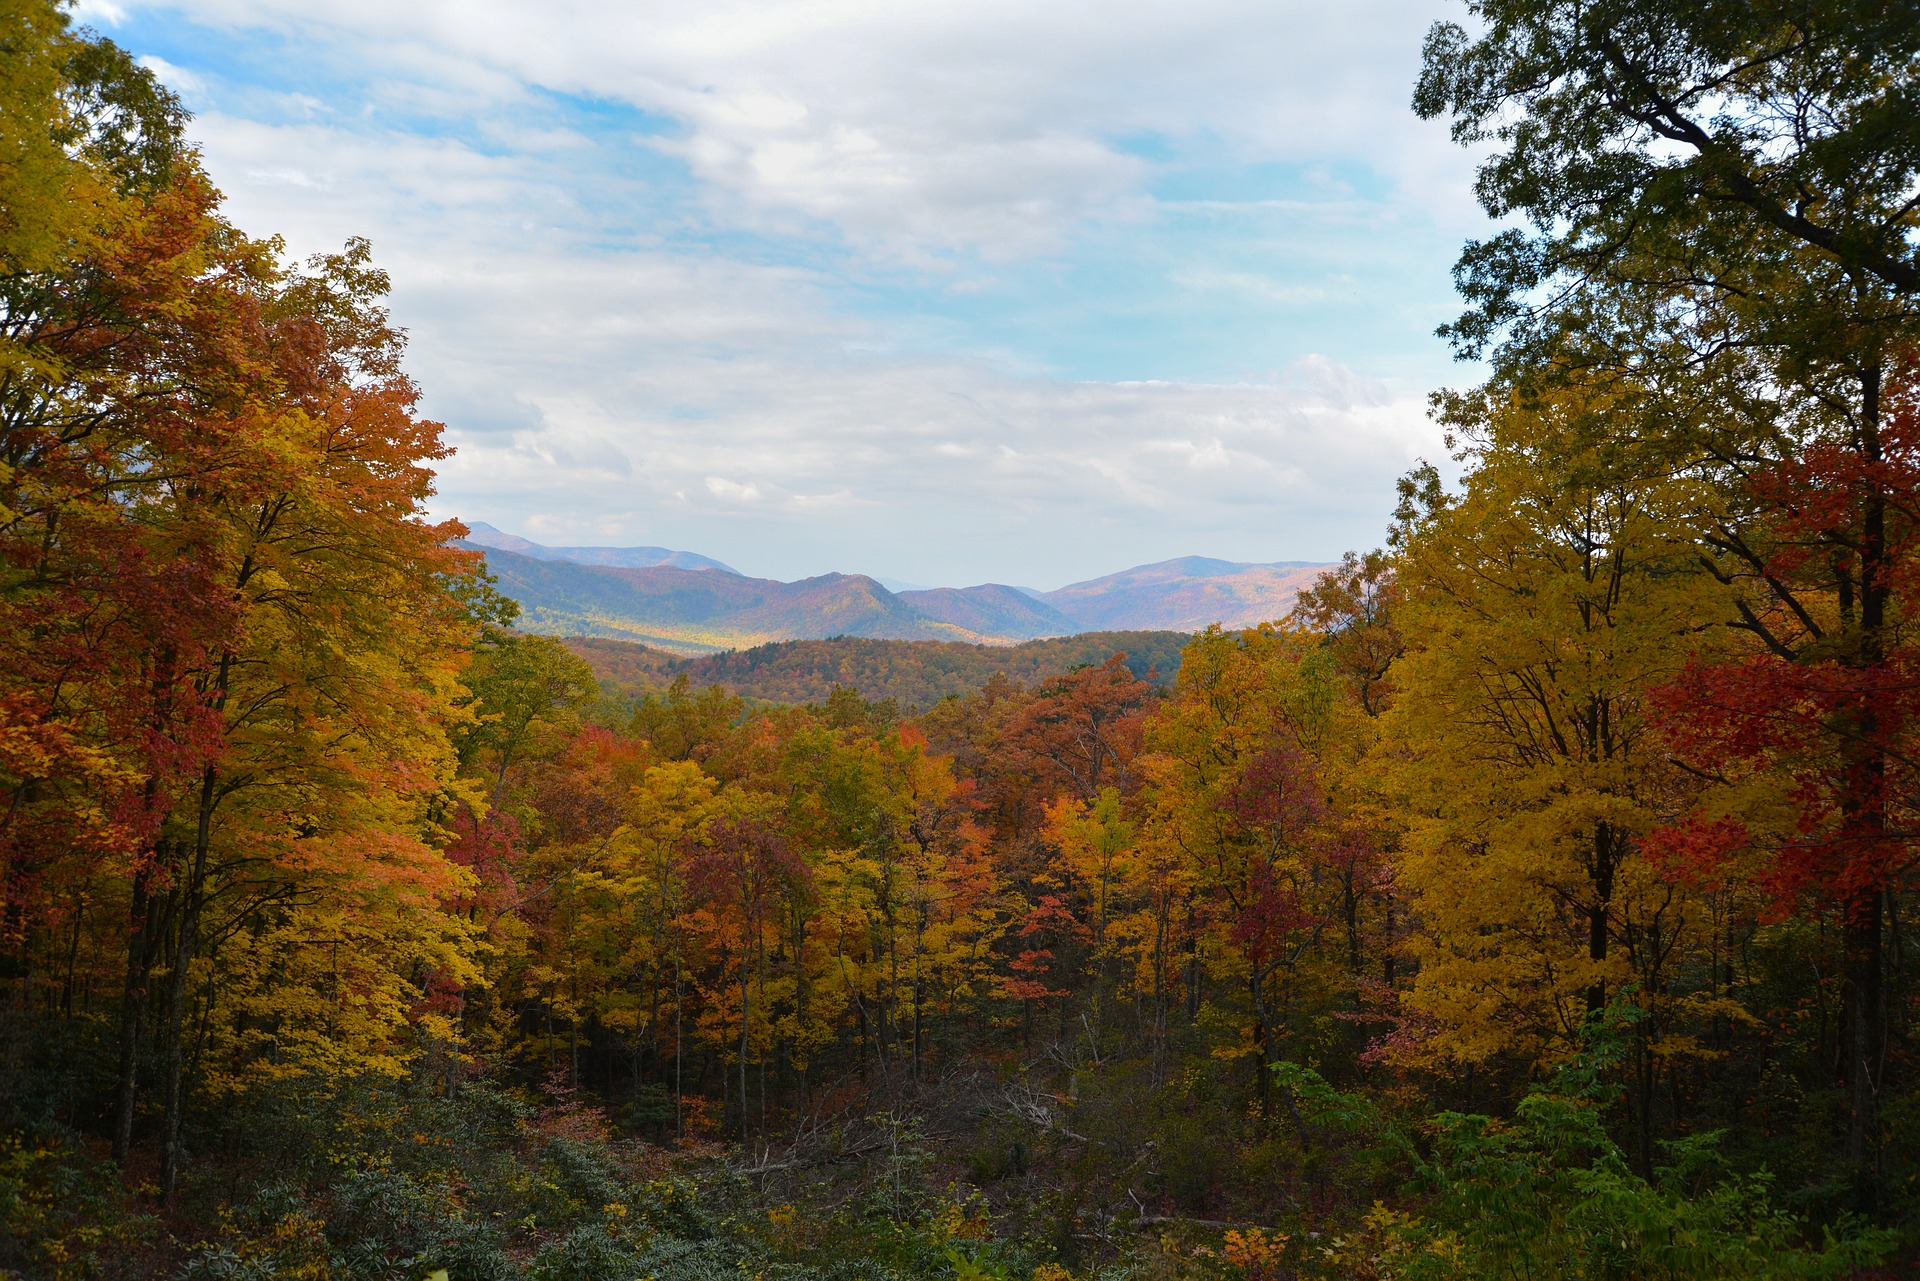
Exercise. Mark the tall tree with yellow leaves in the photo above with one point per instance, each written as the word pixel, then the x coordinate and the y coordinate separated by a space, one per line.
pixel 1541 604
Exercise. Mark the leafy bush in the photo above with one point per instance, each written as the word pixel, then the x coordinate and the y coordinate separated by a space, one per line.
pixel 1549 1194
pixel 674 1207
pixel 383 1222
pixel 60 1210
pixel 585 1174
pixel 672 1259
pixel 588 1253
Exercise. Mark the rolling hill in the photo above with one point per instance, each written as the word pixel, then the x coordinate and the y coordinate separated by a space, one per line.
pixel 916 673
pixel 691 604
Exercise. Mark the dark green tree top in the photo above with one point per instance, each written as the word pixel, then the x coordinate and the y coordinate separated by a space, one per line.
pixel 1692 177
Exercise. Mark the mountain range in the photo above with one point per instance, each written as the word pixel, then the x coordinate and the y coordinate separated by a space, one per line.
pixel 691 604
pixel 485 535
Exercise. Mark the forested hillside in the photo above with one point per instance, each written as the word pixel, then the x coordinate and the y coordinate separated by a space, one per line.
pixel 1536 899
pixel 913 674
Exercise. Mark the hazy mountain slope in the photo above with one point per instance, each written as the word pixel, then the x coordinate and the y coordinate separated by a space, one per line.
pixel 695 611
pixel 484 535
pixel 991 609
pixel 917 673
pixel 841 605
pixel 660 605
pixel 1186 594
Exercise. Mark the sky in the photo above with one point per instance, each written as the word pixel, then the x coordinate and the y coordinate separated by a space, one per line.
pixel 946 291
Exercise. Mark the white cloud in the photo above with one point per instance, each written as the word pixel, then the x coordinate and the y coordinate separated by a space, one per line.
pixel 178 77
pixel 964 472
pixel 604 381
pixel 733 491
pixel 98 13
pixel 991 126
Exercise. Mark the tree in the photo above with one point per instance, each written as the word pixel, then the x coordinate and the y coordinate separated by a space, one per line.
pixel 519 682
pixel 738 875
pixel 339 676
pixel 224 604
pixel 641 919
pixel 1749 168
pixel 1720 200
pixel 1352 607
pixel 1808 742
pixel 1240 760
pixel 128 308
pixel 905 894
pixel 1548 1193
pixel 1541 604
pixel 682 726
pixel 100 248
pixel 1082 730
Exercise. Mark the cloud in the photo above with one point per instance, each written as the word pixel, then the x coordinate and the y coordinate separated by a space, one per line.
pixel 98 13
pixel 967 472
pixel 178 77
pixel 676 274
pixel 988 126
pixel 732 491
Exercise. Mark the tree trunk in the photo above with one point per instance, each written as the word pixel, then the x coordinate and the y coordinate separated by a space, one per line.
pixel 175 1041
pixel 918 951
pixel 191 897
pixel 1864 820
pixel 1602 874
pixel 133 1012
pixel 679 1007
pixel 746 1013
pixel 1645 1073
pixel 1263 1059
pixel 1350 903
pixel 1386 939
pixel 1862 936
pixel 73 955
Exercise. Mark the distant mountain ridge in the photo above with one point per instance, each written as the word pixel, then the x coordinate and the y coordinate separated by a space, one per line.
pixel 691 604
pixel 484 535
pixel 701 611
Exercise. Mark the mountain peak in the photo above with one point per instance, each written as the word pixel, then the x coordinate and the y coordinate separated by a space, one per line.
pixel 482 534
pixel 1186 594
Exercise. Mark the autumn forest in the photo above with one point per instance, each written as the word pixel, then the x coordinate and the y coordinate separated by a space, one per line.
pixel 1536 900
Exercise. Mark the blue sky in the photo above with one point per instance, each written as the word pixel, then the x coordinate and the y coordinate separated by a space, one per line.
pixel 947 292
